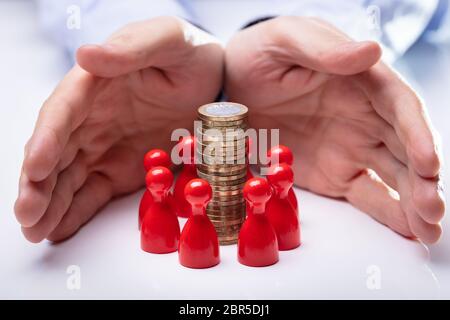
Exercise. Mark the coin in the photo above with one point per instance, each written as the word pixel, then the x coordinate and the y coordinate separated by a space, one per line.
pixel 222 136
pixel 223 185
pixel 202 144
pixel 225 140
pixel 214 147
pixel 225 205
pixel 231 193
pixel 228 230
pixel 221 214
pixel 227 143
pixel 225 210
pixel 223 124
pixel 222 167
pixel 219 172
pixel 232 235
pixel 229 225
pixel 223 161
pixel 222 111
pixel 223 229
pixel 217 216
pixel 213 130
pixel 219 147
pixel 226 242
pixel 237 188
pixel 223 155
pixel 219 160
pixel 223 152
pixel 229 221
pixel 215 178
pixel 227 197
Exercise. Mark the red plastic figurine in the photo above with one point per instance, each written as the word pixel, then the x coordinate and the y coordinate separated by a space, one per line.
pixel 280 212
pixel 257 244
pixel 160 230
pixel 153 158
pixel 282 154
pixel 199 246
pixel 186 150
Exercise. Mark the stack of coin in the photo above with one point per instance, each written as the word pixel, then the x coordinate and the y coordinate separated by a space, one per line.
pixel 222 161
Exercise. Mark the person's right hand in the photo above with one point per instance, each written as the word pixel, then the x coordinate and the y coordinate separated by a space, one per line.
pixel 121 99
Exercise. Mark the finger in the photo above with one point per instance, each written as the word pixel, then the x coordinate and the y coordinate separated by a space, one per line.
pixel 69 181
pixel 88 200
pixel 427 232
pixel 70 151
pixel 320 49
pixel 428 198
pixel 397 103
pixel 390 139
pixel 369 194
pixel 385 165
pixel 33 199
pixel 395 174
pixel 59 116
pixel 137 46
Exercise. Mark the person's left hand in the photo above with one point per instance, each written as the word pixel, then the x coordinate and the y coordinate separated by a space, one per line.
pixel 354 126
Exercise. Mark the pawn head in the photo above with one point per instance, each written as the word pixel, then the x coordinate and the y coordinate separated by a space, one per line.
pixel 281 177
pixel 198 192
pixel 186 149
pixel 280 154
pixel 156 158
pixel 257 191
pixel 159 180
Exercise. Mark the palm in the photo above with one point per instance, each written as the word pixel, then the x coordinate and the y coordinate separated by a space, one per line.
pixel 316 125
pixel 314 120
pixel 129 117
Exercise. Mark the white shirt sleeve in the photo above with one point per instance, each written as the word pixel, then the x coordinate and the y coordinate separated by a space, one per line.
pixel 396 25
pixel 73 23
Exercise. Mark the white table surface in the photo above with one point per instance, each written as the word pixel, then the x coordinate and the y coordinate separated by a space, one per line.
pixel 340 243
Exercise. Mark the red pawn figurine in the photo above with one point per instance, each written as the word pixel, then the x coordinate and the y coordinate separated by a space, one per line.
pixel 186 150
pixel 257 243
pixel 153 158
pixel 280 212
pixel 160 230
pixel 199 246
pixel 282 154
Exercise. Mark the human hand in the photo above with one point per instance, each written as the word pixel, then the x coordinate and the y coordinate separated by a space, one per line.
pixel 349 119
pixel 121 99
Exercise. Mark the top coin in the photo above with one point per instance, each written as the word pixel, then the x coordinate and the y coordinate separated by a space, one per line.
pixel 222 111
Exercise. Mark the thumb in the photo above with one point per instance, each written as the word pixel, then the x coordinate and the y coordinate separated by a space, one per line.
pixel 137 46
pixel 322 47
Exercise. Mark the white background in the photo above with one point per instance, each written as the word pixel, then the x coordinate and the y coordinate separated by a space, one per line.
pixel 340 243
